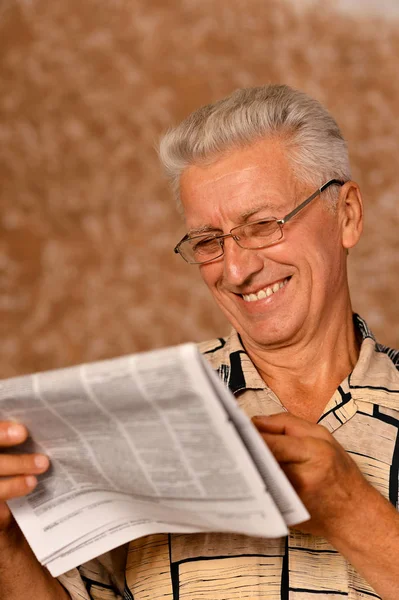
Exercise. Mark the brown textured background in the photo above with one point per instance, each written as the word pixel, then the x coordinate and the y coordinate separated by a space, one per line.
pixel 87 222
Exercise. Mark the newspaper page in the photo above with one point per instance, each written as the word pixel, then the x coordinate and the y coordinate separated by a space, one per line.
pixel 141 444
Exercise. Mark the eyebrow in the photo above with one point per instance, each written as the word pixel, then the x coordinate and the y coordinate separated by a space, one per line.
pixel 203 229
pixel 269 207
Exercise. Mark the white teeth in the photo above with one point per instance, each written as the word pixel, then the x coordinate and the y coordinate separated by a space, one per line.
pixel 265 292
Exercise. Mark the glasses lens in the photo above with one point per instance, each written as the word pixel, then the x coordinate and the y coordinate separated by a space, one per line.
pixel 201 249
pixel 259 234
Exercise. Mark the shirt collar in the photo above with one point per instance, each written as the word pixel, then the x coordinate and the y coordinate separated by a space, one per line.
pixel 375 375
pixel 239 372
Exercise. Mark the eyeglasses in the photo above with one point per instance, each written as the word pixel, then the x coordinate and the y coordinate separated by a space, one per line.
pixel 204 248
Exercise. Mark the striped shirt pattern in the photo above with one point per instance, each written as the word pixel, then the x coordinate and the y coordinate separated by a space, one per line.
pixel 363 415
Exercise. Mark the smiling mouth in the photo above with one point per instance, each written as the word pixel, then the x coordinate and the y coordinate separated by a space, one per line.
pixel 266 292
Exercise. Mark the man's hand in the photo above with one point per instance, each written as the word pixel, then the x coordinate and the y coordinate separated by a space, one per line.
pixel 323 474
pixel 17 472
pixel 351 514
pixel 21 575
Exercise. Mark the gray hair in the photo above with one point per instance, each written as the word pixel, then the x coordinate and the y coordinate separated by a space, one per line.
pixel 315 145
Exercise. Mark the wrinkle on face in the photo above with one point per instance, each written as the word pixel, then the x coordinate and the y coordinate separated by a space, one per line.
pixel 235 193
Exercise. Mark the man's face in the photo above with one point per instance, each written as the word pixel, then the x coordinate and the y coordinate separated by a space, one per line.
pixel 306 271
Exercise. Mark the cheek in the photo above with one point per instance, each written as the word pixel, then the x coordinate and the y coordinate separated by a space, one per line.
pixel 315 246
pixel 326 263
pixel 211 274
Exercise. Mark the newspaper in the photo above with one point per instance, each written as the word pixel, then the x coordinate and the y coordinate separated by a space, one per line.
pixel 141 444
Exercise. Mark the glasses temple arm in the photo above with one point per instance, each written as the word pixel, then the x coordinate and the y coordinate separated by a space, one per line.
pixel 306 202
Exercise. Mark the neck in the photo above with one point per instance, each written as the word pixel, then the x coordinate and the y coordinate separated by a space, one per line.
pixel 304 375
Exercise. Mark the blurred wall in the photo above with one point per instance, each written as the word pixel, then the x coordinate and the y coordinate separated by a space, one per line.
pixel 87 223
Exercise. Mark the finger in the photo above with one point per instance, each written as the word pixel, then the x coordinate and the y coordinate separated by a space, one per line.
pixel 23 464
pixel 14 487
pixel 287 424
pixel 12 433
pixel 288 449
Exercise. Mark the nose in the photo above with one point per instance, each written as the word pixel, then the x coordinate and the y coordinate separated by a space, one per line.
pixel 240 264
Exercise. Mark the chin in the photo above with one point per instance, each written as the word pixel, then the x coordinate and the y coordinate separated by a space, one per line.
pixel 271 333
pixel 265 341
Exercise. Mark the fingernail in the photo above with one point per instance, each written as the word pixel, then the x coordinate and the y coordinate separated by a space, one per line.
pixel 41 461
pixel 15 431
pixel 30 481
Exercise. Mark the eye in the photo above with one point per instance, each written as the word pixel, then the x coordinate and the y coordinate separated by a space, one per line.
pixel 204 244
pixel 263 228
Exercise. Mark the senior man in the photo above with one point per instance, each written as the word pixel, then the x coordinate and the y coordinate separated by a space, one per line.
pixel 264 181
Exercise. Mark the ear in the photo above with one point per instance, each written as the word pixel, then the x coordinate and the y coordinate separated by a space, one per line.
pixel 351 213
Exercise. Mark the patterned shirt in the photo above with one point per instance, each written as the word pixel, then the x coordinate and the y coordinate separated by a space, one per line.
pixel 363 415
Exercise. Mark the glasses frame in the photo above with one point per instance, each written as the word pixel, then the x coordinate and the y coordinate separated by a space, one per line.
pixel 280 222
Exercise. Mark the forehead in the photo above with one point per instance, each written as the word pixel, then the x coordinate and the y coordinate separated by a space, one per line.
pixel 241 182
